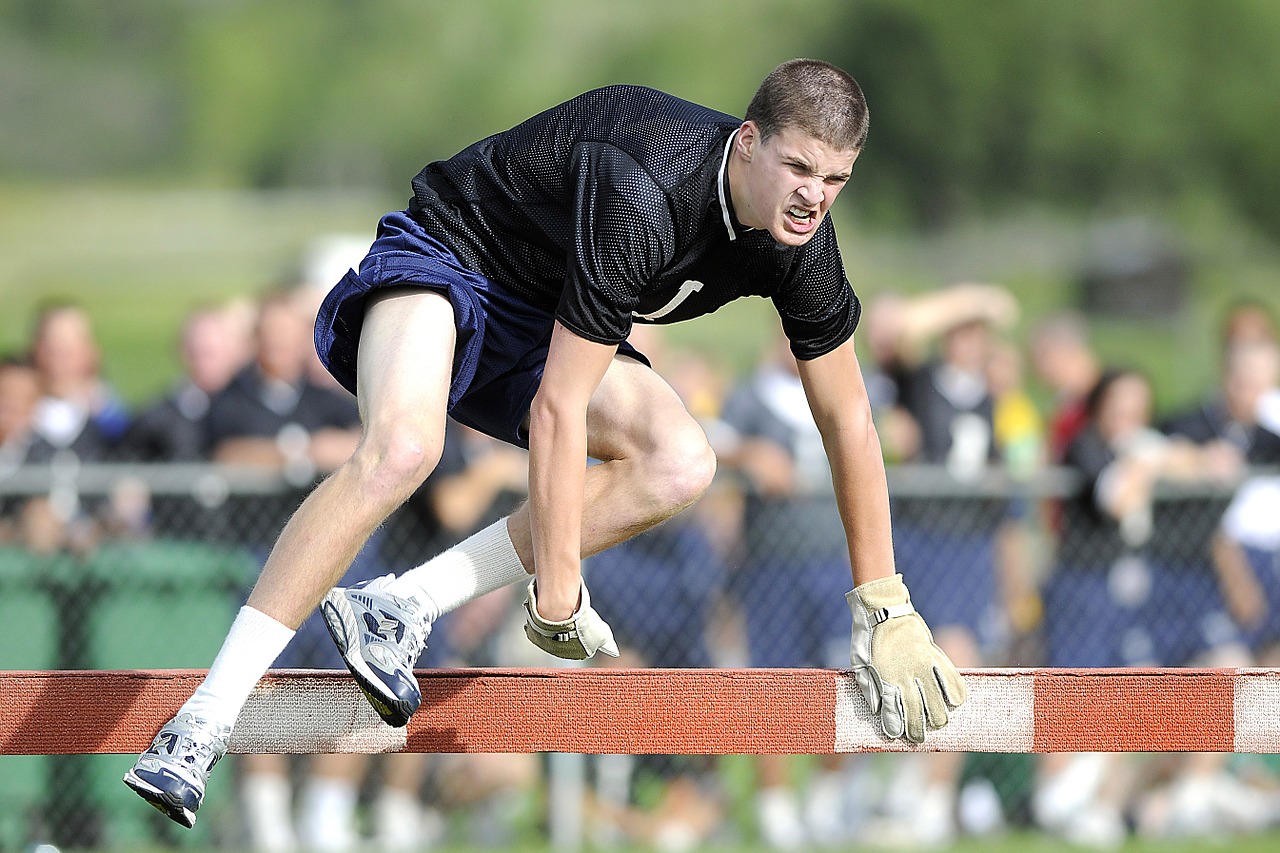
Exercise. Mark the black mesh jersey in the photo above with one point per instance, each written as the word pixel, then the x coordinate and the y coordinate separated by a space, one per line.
pixel 611 208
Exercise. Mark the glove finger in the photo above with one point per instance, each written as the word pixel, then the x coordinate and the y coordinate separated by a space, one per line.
pixel 595 634
pixel 892 718
pixel 610 645
pixel 935 703
pixel 913 710
pixel 870 687
pixel 951 682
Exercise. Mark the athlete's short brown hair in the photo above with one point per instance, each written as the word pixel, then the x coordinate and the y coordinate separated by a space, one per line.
pixel 815 97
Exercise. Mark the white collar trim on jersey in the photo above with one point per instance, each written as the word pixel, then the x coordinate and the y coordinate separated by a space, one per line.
pixel 724 204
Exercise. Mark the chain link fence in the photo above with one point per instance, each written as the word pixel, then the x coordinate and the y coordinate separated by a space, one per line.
pixel 144 566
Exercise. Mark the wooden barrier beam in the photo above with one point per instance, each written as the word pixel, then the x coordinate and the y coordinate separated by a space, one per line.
pixel 673 711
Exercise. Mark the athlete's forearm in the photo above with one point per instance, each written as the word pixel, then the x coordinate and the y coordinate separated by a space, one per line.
pixel 558 465
pixel 833 385
pixel 557 470
pixel 862 496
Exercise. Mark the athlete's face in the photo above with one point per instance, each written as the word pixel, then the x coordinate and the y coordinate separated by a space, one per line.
pixel 787 183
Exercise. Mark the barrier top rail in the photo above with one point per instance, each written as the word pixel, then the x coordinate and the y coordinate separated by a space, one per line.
pixel 657 711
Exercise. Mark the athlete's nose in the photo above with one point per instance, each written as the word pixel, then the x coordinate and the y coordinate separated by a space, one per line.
pixel 811 192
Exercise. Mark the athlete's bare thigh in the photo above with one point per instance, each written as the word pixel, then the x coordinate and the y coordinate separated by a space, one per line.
pixel 405 360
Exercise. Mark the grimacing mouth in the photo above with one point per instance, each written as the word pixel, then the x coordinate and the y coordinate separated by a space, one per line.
pixel 801 215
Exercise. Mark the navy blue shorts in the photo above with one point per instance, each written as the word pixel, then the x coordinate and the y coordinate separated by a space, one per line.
pixel 502 341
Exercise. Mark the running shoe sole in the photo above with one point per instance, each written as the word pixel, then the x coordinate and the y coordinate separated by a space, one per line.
pixel 164 801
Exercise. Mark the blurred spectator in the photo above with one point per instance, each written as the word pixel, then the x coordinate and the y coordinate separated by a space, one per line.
pixel 20 445
pixel 1248 321
pixel 1227 420
pixel 78 419
pixel 173 428
pixel 1104 570
pixel 793 577
pixel 1247 555
pixel 947 544
pixel 1019 431
pixel 898 331
pixel 1067 365
pixel 271 413
pixel 1188 620
pixel 1249 538
pixel 19 395
pixel 78 411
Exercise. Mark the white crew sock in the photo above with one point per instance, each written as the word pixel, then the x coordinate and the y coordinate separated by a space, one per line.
pixel 481 563
pixel 252 645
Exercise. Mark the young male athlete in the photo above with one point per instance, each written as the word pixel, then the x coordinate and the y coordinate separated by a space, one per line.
pixel 503 298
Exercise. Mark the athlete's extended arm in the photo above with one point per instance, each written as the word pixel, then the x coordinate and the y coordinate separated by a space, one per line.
pixel 560 618
pixel 907 680
pixel 838 399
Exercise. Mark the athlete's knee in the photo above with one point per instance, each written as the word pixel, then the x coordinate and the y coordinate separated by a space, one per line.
pixel 393 462
pixel 685 465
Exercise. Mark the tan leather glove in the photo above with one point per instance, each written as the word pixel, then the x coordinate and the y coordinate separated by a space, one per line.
pixel 576 638
pixel 908 681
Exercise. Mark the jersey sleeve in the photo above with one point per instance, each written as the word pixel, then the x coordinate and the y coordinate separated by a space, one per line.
pixel 817 305
pixel 622 234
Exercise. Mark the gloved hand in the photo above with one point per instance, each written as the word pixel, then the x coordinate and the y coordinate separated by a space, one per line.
pixel 908 681
pixel 576 638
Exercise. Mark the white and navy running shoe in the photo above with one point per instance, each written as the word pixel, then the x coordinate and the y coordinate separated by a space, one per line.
pixel 380 636
pixel 173 772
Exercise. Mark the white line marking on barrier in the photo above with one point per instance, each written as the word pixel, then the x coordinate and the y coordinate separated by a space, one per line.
pixel 999 716
pixel 1257 712
pixel 313 715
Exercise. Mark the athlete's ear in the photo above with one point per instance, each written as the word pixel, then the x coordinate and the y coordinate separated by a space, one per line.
pixel 747 139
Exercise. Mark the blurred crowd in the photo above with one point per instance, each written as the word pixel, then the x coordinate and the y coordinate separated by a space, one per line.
pixel 1158 548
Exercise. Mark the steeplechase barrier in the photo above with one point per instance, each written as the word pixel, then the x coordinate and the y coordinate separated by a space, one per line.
pixel 656 711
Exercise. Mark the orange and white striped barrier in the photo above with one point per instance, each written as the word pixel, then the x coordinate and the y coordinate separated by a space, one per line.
pixel 711 711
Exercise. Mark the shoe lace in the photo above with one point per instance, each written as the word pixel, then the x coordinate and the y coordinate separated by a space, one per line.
pixel 416 631
pixel 199 743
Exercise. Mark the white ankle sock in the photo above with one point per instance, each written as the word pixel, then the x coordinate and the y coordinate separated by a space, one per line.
pixel 482 563
pixel 252 645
